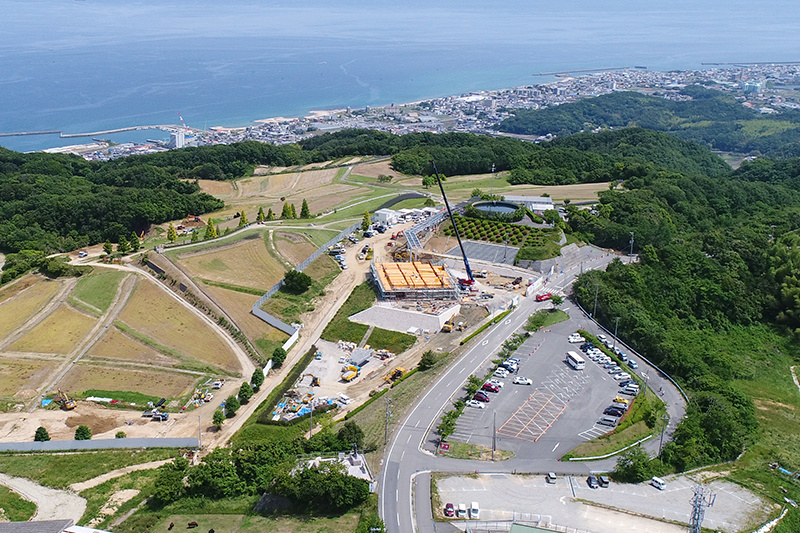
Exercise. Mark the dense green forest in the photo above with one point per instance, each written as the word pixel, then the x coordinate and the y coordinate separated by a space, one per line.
pixel 710 118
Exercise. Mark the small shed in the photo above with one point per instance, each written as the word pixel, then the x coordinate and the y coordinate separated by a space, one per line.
pixel 386 216
pixel 361 356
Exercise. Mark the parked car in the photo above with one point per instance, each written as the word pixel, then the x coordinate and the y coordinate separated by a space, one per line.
pixel 604 481
pixel 500 373
pixel 607 421
pixel 617 405
pixel 508 365
pixel 475 403
pixel 519 380
pixel 629 392
pixel 513 359
pixel 614 369
pixel 481 397
pixel 474 511
pixel 550 477
pixel 628 382
pixel 632 364
pixel 611 411
pixel 621 376
pixel 543 297
pixel 462 510
pixel 575 338
pixel 489 387
pixel 497 382
pixel 449 509
pixel 592 482
pixel 601 338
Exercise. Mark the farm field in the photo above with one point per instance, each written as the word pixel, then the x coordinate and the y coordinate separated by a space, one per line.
pixel 245 263
pixel 98 289
pixel 59 333
pixel 116 345
pixel 20 377
pixel 157 315
pixel 88 376
pixel 22 300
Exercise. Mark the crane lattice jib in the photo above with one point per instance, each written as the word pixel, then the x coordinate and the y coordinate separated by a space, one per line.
pixel 455 227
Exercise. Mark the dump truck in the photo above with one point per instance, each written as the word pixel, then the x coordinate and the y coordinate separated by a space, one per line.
pixel 448 326
pixel 350 373
pixel 66 402
pixel 394 375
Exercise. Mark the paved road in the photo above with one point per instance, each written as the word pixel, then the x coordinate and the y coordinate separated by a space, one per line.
pixel 407 456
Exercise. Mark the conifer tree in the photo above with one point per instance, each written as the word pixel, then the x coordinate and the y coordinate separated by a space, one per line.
pixel 366 221
pixel 286 212
pixel 292 211
pixel 134 242
pixel 243 219
pixel 305 212
pixel 172 235
pixel 270 214
pixel 260 216
pixel 122 245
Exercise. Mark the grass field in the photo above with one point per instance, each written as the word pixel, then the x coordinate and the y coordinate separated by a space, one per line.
pixel 98 289
pixel 58 333
pixel 288 307
pixel 22 300
pixel 85 376
pixel 246 262
pixel 98 496
pixel 21 377
pixel 15 508
pixel 60 470
pixel 294 247
pixel 340 327
pixel 258 524
pixel 155 314
pixel 118 346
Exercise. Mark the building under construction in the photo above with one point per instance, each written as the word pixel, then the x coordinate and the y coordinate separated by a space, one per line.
pixel 417 280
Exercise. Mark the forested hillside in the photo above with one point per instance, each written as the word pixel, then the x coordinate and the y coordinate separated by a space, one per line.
pixel 710 118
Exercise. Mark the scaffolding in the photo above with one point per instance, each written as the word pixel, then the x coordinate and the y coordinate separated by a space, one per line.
pixel 418 280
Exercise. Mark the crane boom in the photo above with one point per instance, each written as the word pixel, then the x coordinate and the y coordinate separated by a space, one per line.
pixel 470 279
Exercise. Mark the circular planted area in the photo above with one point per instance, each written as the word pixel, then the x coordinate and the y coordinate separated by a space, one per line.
pixel 496 207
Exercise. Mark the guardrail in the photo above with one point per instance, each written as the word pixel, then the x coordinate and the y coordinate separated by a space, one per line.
pixel 640 356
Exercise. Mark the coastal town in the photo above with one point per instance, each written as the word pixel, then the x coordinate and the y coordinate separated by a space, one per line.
pixel 769 88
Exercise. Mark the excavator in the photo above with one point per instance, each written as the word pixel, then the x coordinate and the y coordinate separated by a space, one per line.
pixel 314 379
pixel 67 403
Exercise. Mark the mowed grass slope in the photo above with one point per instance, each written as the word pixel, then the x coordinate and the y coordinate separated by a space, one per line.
pixel 22 300
pixel 116 345
pixel 59 333
pixel 20 377
pixel 98 289
pixel 155 314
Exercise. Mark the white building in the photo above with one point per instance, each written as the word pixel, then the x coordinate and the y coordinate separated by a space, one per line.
pixel 177 139
pixel 537 204
pixel 386 216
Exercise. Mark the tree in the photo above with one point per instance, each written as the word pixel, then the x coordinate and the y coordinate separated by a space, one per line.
pixel 365 222
pixel 427 360
pixel 292 211
pixel 473 384
pixel 218 418
pixel 278 356
pixel 211 232
pixel 429 203
pixel 245 392
pixel 135 243
pixel 243 219
pixel 195 236
pixel 633 466
pixel 41 435
pixel 108 247
pixel 172 235
pixel 260 216
pixel 551 216
pixel 232 405
pixel 286 212
pixel 169 485
pixel 384 178
pixel 556 300
pixel 428 181
pixel 270 214
pixel 305 212
pixel 120 435
pixel 351 433
pixel 122 245
pixel 258 379
pixel 297 282
pixel 83 433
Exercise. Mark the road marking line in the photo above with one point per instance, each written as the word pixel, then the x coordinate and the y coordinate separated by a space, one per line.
pixel 556 446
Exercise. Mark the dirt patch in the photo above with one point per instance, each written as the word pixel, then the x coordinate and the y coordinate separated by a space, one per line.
pixel 293 237
pixel 373 170
pixel 215 188
pixel 113 504
pixel 96 423
pixel 768 405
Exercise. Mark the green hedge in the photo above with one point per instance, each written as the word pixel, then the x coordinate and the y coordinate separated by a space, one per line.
pixel 358 409
pixel 495 320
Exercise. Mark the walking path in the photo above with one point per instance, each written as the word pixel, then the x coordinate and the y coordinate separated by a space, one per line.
pixel 51 504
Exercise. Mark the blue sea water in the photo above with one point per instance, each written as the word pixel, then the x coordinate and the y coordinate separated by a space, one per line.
pixel 89 65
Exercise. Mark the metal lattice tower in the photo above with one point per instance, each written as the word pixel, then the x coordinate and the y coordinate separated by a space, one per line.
pixel 702 499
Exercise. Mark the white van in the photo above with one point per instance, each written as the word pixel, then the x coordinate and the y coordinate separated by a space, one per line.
pixel 474 511
pixel 462 510
pixel 658 483
pixel 608 421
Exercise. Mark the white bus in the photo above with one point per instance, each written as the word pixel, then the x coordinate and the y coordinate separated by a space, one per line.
pixel 576 361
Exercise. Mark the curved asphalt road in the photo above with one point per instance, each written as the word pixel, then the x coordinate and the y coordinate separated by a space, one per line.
pixel 406 457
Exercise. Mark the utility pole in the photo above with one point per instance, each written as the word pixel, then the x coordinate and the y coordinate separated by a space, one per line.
pixel 388 414
pixel 616 324
pixel 594 311
pixel 702 499
pixel 494 433
pixel 664 419
pixel 631 245
pixel 491 194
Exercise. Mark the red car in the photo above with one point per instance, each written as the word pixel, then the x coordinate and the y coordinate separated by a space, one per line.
pixel 543 297
pixel 481 397
pixel 449 510
pixel 491 387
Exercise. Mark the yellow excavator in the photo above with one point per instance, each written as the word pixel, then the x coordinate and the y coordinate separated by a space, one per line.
pixel 67 403
pixel 314 379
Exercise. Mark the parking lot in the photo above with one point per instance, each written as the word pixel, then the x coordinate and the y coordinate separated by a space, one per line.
pixel 553 415
pixel 529 498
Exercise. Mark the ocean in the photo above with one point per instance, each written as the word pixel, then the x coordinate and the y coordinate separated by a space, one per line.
pixel 89 65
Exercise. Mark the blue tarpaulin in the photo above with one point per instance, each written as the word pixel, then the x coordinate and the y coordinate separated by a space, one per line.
pixel 45 403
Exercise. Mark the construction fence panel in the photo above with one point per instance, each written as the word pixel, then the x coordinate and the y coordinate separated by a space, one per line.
pixel 99 444
pixel 302 266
